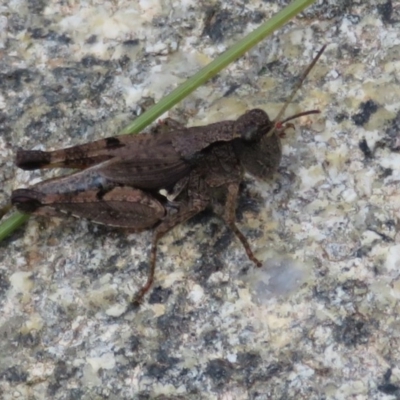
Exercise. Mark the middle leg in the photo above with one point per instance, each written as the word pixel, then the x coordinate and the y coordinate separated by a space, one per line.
pixel 227 213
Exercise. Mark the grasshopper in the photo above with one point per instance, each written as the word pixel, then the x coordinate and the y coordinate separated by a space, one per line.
pixel 158 179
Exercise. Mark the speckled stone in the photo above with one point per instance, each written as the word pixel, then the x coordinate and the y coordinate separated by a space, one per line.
pixel 320 320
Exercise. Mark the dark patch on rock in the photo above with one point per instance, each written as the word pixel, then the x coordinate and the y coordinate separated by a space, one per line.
pixel 62 372
pixel 273 66
pixel 366 110
pixel 220 371
pixel 387 387
pixel 159 295
pixel 4 283
pixel 36 6
pixel 217 23
pixel 134 343
pixel 14 375
pixel 211 337
pixel 353 331
pixel 157 370
pixel 257 16
pixel 363 146
pixel 392 133
pixel 28 339
pixel 14 80
pixel 386 172
pixel 348 51
pixel 131 42
pixel 172 324
pixel 247 364
pixel 232 88
pixel 205 267
pixel 385 10
pixel 91 39
pixel 74 394
pixel 327 10
pixel 224 241
pixel 341 117
pixel 124 61
pixel 90 61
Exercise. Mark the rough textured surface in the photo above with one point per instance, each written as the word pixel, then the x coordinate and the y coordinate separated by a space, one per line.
pixel 320 320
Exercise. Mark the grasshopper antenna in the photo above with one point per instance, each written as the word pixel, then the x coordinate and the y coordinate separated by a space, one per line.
pixel 278 124
pixel 301 114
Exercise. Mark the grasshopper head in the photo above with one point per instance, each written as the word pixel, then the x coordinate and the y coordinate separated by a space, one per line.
pixel 253 125
pixel 260 148
pixel 259 153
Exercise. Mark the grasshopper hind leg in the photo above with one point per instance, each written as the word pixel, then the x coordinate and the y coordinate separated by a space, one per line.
pixel 122 207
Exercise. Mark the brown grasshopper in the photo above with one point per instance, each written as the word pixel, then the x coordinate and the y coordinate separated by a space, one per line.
pixel 121 178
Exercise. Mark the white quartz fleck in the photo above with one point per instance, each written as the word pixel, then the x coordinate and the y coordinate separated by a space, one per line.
pixel 21 282
pixel 393 258
pixel 196 293
pixel 106 361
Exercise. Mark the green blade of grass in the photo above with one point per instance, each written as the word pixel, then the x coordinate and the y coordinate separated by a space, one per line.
pixel 11 224
pixel 208 72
